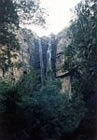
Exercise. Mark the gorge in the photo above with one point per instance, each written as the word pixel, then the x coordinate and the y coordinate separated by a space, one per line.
pixel 45 54
pixel 48 70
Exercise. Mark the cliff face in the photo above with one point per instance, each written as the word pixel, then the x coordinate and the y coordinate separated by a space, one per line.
pixel 28 55
pixel 62 41
pixel 45 54
pixel 37 53
pixel 29 52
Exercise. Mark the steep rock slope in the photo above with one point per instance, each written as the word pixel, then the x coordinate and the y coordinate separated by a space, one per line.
pixel 37 53
pixel 49 60
pixel 62 41
pixel 29 52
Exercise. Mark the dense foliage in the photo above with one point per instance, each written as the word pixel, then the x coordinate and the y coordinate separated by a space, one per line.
pixel 81 58
pixel 31 111
pixel 30 12
pixel 44 111
pixel 51 114
pixel 8 43
pixel 81 53
pixel 12 14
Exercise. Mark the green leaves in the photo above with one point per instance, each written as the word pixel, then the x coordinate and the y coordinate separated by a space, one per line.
pixel 41 109
pixel 9 22
pixel 29 84
pixel 83 48
pixel 51 111
pixel 30 12
pixel 8 14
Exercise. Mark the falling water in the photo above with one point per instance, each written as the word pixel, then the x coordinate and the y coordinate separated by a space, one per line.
pixel 49 56
pixel 41 61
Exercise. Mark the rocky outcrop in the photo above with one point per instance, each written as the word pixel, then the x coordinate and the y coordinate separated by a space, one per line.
pixel 62 41
pixel 29 52
pixel 51 57
pixel 52 60
pixel 30 55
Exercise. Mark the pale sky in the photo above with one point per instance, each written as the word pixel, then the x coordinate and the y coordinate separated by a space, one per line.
pixel 59 16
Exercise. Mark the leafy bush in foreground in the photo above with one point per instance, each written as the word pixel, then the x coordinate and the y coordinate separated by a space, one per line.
pixel 49 114
pixel 46 113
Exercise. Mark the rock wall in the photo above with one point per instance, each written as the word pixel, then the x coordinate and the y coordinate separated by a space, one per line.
pixel 62 41
pixel 29 54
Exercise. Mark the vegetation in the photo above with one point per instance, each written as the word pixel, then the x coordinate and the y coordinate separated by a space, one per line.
pixel 81 53
pixel 81 57
pixel 8 43
pixel 30 12
pixel 29 110
pixel 11 15
pixel 45 111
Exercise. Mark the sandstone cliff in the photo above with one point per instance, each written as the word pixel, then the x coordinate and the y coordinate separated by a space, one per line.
pixel 62 41
pixel 30 55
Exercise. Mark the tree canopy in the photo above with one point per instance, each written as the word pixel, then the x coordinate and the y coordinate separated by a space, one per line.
pixel 81 52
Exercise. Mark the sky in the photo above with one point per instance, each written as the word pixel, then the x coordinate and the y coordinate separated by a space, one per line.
pixel 59 16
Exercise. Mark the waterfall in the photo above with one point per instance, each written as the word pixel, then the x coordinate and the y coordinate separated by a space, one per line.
pixel 49 56
pixel 45 69
pixel 41 61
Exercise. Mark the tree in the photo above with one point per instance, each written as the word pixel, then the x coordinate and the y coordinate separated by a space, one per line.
pixel 30 12
pixel 29 84
pixel 8 42
pixel 83 47
pixel 13 13
pixel 82 54
pixel 49 114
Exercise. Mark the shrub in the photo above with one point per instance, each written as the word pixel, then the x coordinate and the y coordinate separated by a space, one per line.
pixel 5 86
pixel 38 113
pixel 8 108
pixel 29 83
pixel 49 113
